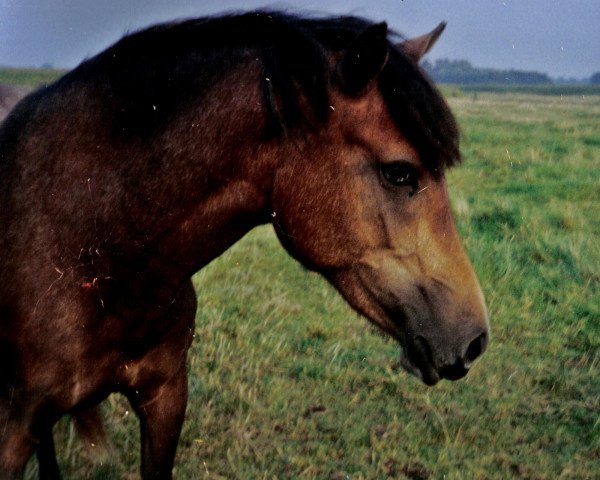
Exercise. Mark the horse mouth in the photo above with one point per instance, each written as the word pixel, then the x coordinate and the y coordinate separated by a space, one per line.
pixel 417 359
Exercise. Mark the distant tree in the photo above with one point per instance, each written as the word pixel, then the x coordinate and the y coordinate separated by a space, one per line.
pixel 462 72
pixel 571 80
pixel 595 78
pixel 427 66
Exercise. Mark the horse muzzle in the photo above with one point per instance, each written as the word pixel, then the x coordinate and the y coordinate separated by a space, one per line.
pixel 420 359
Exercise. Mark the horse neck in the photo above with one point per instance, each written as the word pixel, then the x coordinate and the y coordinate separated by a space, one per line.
pixel 224 171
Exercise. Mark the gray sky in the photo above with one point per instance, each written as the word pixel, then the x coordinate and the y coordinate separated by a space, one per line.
pixel 558 37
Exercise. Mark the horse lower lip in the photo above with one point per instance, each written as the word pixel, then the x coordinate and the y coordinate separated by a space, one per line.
pixel 429 375
pixel 422 359
pixel 423 371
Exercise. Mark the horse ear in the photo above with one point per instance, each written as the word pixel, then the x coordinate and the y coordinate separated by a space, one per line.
pixel 417 47
pixel 364 58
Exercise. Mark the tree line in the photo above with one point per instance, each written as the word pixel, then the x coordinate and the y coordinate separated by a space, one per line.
pixel 462 72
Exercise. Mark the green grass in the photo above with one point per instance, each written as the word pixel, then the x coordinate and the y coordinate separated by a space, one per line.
pixel 29 76
pixel 287 382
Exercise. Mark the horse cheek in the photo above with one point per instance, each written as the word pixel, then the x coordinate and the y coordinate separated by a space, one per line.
pixel 312 218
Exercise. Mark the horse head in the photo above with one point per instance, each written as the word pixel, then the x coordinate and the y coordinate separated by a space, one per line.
pixel 367 205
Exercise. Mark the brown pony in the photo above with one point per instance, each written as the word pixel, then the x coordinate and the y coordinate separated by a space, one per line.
pixel 143 164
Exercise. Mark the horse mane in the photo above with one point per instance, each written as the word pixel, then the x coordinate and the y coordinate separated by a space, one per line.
pixel 149 75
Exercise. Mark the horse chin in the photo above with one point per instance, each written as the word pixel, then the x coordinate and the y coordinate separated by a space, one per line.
pixel 424 372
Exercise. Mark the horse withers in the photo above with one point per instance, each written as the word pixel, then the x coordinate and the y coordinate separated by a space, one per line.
pixel 140 166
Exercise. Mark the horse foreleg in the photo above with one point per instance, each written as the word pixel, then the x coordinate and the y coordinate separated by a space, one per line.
pixel 16 447
pixel 157 387
pixel 46 455
pixel 161 412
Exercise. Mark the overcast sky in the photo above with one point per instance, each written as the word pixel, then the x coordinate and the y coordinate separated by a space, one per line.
pixel 558 37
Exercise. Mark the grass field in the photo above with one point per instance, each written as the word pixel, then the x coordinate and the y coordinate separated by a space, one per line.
pixel 287 382
pixel 29 76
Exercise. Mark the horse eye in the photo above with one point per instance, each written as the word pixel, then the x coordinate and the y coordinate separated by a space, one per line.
pixel 400 174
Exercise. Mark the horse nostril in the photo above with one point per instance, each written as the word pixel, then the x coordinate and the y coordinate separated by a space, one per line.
pixel 476 348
